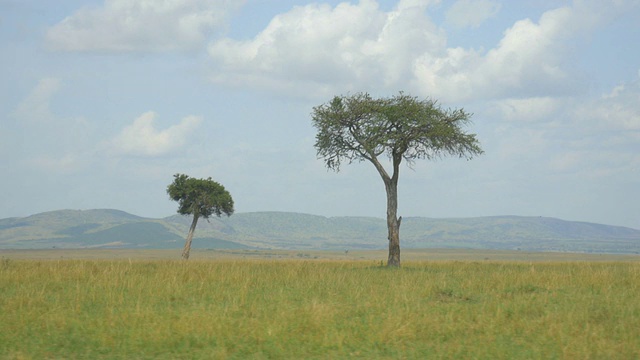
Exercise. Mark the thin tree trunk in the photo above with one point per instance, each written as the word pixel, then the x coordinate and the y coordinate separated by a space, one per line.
pixel 393 223
pixel 187 245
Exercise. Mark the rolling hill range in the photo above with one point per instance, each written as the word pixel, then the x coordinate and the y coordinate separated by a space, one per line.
pixel 278 230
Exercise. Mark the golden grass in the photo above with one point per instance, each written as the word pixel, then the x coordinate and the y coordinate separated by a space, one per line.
pixel 326 309
pixel 359 255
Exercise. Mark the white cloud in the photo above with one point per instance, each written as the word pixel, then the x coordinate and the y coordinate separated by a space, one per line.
pixel 141 138
pixel 359 47
pixel 596 138
pixel 530 60
pixel 471 13
pixel 328 47
pixel 141 25
pixel 323 50
pixel 535 109
pixel 36 107
pixel 618 110
pixel 615 113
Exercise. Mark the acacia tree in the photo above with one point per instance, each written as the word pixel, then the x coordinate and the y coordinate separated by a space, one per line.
pixel 402 127
pixel 200 198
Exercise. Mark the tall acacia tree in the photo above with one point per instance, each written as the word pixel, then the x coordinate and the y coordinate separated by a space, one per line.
pixel 402 127
pixel 200 198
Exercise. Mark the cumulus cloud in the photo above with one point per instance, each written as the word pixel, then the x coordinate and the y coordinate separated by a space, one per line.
pixel 588 137
pixel 322 49
pixel 617 110
pixel 471 13
pixel 36 107
pixel 532 59
pixel 142 25
pixel 141 138
pixel 331 47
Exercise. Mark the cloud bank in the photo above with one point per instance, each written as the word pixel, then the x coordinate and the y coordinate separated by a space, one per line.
pixel 141 26
pixel 324 49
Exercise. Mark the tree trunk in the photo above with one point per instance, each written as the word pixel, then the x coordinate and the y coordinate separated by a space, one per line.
pixel 393 223
pixel 187 245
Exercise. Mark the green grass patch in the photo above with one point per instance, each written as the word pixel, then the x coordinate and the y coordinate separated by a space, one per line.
pixel 293 309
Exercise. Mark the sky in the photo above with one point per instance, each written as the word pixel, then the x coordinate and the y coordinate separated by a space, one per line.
pixel 103 101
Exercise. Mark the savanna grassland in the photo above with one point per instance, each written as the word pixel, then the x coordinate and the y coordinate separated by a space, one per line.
pixel 233 308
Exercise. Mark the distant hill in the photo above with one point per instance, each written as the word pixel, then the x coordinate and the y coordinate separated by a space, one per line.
pixel 96 229
pixel 280 230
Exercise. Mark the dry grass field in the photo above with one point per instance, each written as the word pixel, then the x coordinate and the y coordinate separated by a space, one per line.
pixel 354 255
pixel 103 304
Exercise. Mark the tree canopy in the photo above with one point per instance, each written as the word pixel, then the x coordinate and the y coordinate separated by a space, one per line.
pixel 200 198
pixel 359 127
pixel 401 127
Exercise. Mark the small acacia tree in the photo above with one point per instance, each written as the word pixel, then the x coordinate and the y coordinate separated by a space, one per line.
pixel 200 198
pixel 402 127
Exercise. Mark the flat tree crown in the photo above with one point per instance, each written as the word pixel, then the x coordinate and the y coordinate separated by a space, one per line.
pixel 200 197
pixel 359 127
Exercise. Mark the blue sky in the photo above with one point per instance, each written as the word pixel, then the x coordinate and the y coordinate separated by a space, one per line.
pixel 102 102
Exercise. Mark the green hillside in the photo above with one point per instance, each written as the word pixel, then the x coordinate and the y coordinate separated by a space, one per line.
pixel 60 224
pixel 520 233
pixel 134 234
pixel 281 230
pixel 97 229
